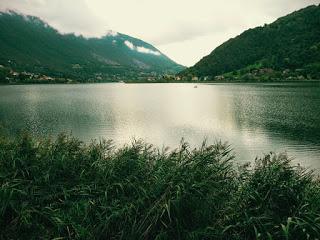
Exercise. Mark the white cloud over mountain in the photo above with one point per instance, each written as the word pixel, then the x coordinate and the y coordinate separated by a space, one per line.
pixel 140 49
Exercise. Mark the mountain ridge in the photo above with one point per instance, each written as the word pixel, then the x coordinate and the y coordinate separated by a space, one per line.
pixel 27 43
pixel 290 44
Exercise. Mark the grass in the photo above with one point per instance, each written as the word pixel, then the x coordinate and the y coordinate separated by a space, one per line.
pixel 65 189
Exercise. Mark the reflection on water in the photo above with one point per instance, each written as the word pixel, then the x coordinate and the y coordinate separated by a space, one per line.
pixel 253 118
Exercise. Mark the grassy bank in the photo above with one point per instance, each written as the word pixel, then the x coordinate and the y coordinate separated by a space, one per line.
pixel 64 189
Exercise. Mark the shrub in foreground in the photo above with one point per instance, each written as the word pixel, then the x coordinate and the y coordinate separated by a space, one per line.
pixel 65 189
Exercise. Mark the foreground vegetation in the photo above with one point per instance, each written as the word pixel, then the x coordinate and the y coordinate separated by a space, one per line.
pixel 64 189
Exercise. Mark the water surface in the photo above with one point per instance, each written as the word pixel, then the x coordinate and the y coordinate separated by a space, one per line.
pixel 254 118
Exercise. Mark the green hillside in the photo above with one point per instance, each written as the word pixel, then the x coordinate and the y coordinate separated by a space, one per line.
pixel 29 44
pixel 287 48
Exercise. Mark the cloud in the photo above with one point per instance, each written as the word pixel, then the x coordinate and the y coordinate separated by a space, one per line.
pixel 182 29
pixel 129 44
pixel 148 51
pixel 141 49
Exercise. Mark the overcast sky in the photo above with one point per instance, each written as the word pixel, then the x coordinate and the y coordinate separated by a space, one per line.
pixel 185 30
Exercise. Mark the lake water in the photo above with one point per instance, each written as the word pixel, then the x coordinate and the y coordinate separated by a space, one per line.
pixel 254 118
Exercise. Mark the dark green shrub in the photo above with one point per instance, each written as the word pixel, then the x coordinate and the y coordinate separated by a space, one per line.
pixel 66 189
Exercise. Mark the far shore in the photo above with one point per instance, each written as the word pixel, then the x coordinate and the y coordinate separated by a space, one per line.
pixel 170 81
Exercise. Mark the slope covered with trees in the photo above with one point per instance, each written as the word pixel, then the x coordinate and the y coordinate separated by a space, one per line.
pixel 287 47
pixel 29 44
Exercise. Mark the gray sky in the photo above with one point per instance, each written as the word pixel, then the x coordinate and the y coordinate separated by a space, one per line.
pixel 185 30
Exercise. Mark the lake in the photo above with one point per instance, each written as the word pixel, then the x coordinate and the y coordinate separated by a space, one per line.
pixel 253 118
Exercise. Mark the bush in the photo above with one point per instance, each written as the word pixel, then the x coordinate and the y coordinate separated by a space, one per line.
pixel 66 189
pixel 276 200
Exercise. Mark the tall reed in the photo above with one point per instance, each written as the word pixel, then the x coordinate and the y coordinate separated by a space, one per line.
pixel 64 189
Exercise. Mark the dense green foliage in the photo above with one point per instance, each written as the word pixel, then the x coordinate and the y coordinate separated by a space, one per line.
pixel 290 44
pixel 29 44
pixel 64 189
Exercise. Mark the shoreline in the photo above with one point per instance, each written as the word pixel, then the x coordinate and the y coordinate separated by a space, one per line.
pixel 159 82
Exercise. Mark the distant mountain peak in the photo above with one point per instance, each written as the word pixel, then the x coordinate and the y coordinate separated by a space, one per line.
pixel 9 12
pixel 32 45
pixel 25 17
pixel 111 33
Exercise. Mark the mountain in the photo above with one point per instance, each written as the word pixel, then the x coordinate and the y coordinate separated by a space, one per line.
pixel 29 44
pixel 287 48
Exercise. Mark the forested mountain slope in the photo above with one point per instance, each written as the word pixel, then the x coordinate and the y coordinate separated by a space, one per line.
pixel 290 44
pixel 29 44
